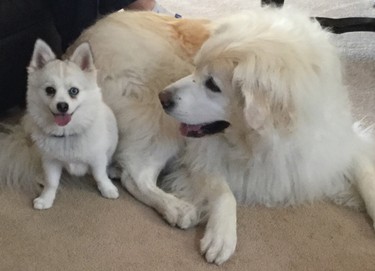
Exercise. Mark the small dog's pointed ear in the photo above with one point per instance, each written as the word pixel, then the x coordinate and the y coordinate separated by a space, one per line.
pixel 41 55
pixel 82 56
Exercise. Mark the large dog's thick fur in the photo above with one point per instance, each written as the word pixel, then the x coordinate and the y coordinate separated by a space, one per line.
pixel 271 75
pixel 276 79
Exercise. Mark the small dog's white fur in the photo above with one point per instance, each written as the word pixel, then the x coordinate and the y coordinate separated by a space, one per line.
pixel 291 138
pixel 88 141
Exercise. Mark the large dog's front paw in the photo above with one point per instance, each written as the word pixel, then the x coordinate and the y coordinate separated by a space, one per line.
pixel 42 203
pixel 219 242
pixel 109 190
pixel 181 213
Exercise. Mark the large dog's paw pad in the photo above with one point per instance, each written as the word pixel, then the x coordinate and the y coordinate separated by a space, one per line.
pixel 218 244
pixel 109 191
pixel 182 214
pixel 42 203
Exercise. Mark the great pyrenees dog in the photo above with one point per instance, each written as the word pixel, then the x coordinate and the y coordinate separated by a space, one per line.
pixel 270 122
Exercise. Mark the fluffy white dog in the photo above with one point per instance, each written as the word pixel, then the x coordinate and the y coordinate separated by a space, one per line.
pixel 268 84
pixel 67 121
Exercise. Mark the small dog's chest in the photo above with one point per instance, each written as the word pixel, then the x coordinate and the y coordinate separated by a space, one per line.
pixel 77 169
pixel 70 149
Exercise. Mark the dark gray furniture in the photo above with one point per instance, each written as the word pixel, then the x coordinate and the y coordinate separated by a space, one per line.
pixel 21 23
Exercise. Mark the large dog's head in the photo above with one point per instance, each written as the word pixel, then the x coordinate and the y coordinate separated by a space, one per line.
pixel 62 95
pixel 251 72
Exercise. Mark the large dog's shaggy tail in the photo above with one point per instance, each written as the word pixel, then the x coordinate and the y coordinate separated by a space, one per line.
pixel 20 163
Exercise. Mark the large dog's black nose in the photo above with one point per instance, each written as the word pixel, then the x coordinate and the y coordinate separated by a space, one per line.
pixel 166 99
pixel 62 107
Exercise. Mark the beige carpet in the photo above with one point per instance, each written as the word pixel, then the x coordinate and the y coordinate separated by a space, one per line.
pixel 84 231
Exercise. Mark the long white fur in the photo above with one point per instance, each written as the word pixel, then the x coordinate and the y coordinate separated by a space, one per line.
pixel 19 158
pixel 291 138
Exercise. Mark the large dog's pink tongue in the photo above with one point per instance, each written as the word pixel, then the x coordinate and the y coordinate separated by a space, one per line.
pixel 199 130
pixel 62 119
pixel 191 130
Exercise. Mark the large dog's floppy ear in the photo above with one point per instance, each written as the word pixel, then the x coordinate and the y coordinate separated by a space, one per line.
pixel 82 56
pixel 41 55
pixel 256 109
pixel 267 101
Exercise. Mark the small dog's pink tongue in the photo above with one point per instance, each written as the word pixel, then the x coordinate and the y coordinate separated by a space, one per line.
pixel 62 119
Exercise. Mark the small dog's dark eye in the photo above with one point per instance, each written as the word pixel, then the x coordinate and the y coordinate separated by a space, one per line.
pixel 211 85
pixel 73 92
pixel 50 91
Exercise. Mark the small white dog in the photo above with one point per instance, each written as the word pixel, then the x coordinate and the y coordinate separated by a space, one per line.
pixel 67 119
pixel 268 85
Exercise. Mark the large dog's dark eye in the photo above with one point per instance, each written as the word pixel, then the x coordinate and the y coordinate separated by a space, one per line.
pixel 50 91
pixel 73 91
pixel 211 85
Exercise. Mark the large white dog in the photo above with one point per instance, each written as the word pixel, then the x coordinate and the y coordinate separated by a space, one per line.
pixel 274 79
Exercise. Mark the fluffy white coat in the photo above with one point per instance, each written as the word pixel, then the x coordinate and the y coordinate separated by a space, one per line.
pixel 276 78
pixel 67 120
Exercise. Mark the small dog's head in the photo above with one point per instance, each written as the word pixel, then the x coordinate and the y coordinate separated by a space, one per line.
pixel 250 73
pixel 61 93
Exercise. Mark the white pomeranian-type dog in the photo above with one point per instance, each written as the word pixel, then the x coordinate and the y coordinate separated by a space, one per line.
pixel 68 121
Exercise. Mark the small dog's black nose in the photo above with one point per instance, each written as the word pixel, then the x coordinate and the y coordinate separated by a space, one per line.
pixel 166 99
pixel 62 107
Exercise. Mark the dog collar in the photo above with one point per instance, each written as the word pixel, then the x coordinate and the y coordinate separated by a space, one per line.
pixel 58 136
pixel 61 136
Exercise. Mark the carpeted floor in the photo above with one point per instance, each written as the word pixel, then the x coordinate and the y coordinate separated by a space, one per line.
pixel 84 231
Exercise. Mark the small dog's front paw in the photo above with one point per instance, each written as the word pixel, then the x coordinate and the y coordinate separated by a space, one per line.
pixel 219 243
pixel 42 203
pixel 109 191
pixel 181 213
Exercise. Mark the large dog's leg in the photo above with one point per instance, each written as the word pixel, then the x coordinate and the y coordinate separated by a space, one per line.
pixel 142 185
pixel 220 238
pixel 365 180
